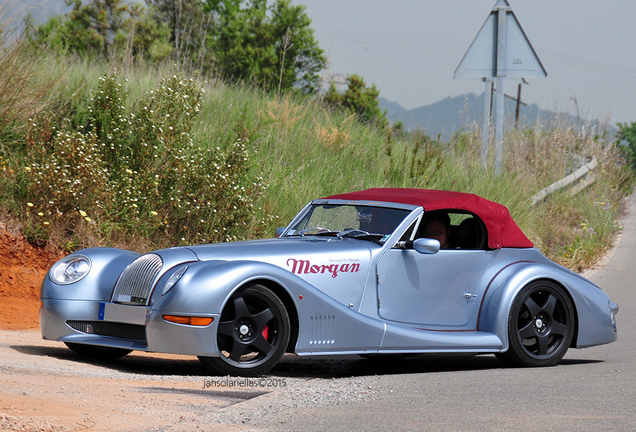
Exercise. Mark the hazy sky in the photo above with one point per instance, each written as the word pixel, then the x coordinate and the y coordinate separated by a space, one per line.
pixel 410 48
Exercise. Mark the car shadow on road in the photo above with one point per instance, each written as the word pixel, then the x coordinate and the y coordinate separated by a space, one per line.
pixel 291 366
pixel 136 362
pixel 578 361
pixel 352 366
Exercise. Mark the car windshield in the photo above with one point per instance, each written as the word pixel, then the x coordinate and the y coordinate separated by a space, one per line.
pixel 372 223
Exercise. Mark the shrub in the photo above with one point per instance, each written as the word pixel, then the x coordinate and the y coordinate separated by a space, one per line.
pixel 138 171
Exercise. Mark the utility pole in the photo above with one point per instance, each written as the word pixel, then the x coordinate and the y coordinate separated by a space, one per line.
pixel 518 102
pixel 500 76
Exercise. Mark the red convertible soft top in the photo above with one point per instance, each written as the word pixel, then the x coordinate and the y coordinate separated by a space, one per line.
pixel 502 230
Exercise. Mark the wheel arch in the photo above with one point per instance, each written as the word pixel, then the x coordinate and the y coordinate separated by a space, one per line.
pixel 289 304
pixel 568 294
pixel 496 313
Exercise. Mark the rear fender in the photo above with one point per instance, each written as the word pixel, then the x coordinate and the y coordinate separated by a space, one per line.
pixel 593 325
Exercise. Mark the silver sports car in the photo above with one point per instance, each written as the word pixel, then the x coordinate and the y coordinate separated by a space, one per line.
pixel 378 271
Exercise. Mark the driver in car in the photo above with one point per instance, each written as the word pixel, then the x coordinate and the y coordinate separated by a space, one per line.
pixel 437 227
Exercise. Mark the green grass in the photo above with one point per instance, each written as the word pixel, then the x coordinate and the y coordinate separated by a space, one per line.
pixel 302 151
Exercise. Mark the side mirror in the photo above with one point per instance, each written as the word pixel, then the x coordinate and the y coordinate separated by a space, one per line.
pixel 426 245
pixel 279 231
pixel 421 245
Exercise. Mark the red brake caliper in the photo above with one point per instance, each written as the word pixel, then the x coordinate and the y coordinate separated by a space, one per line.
pixel 265 332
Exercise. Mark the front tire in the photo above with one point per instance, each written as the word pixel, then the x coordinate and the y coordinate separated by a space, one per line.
pixel 540 326
pixel 253 333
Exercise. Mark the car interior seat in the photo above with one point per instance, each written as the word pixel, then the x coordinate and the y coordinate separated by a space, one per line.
pixel 465 236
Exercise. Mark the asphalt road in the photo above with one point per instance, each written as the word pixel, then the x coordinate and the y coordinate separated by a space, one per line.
pixel 590 390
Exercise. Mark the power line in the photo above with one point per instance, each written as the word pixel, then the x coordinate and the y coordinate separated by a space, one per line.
pixel 458 44
pixel 586 63
pixel 416 36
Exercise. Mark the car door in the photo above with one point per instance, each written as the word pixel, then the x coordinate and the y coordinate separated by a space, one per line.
pixel 440 291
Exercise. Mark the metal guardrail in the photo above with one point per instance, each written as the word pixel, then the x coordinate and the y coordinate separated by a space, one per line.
pixel 540 196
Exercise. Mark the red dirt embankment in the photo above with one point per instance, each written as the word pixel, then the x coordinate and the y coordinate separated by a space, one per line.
pixel 22 268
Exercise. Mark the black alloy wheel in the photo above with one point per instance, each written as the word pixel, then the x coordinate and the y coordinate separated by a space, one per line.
pixel 540 326
pixel 253 333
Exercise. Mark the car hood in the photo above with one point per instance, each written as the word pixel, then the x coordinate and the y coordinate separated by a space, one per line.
pixel 307 257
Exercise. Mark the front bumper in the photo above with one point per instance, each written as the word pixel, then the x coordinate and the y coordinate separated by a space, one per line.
pixel 79 321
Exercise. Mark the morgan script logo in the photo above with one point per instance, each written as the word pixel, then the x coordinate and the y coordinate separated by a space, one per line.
pixel 299 266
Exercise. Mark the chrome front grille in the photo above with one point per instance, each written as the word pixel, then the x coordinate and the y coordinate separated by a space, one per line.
pixel 137 280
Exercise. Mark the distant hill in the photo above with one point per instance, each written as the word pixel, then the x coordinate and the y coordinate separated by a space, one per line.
pixel 466 112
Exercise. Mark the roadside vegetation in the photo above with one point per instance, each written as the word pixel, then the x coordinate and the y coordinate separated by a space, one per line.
pixel 143 155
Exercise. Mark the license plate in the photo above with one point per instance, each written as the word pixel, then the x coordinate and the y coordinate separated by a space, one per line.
pixel 122 313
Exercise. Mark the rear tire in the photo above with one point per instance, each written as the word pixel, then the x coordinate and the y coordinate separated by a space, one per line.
pixel 540 326
pixel 253 333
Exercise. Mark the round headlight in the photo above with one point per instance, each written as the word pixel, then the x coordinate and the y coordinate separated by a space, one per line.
pixel 70 269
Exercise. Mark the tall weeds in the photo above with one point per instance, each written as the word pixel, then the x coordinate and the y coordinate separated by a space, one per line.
pixel 23 88
pixel 136 171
